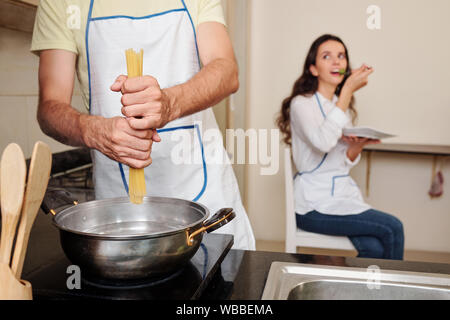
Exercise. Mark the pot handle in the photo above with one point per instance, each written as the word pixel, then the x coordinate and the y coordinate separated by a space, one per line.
pixel 219 219
pixel 56 198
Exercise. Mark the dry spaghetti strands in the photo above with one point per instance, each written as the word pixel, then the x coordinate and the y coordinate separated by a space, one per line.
pixel 136 188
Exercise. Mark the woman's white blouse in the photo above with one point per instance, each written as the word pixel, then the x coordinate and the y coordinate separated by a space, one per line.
pixel 323 182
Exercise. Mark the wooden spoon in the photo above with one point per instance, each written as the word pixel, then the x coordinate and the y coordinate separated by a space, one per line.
pixel 13 172
pixel 38 176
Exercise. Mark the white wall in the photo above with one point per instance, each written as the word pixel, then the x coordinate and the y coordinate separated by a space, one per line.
pixel 408 92
pixel 19 94
pixel 280 34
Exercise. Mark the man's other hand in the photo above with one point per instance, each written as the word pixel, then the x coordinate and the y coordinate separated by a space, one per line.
pixel 145 105
pixel 115 138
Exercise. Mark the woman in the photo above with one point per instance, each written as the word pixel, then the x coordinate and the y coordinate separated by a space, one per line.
pixel 312 118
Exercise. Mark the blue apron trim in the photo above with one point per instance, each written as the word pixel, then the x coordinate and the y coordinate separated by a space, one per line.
pixel 334 179
pixel 205 171
pixel 195 33
pixel 138 18
pixel 326 154
pixel 176 128
pixel 87 49
pixel 122 173
pixel 304 172
pixel 320 105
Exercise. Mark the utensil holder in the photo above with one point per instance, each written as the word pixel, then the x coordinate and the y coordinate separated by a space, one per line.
pixel 11 288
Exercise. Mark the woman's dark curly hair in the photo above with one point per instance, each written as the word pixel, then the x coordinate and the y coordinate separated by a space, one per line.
pixel 308 84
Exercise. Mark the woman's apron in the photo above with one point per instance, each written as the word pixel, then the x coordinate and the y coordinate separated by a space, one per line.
pixel 328 187
pixel 180 165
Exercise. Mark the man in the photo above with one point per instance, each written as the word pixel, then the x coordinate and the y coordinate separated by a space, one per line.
pixel 174 96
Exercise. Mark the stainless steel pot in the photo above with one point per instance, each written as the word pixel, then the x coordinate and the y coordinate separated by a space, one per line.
pixel 115 239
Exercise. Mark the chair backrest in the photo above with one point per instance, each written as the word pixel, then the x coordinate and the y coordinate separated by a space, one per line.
pixel 296 237
pixel 291 225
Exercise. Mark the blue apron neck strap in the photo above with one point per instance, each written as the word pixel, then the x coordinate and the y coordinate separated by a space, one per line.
pixel 320 104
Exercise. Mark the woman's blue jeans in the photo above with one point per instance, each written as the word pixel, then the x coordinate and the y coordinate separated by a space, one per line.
pixel 374 234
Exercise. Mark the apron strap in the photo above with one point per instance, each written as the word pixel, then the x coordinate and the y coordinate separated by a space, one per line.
pixel 326 154
pixel 205 171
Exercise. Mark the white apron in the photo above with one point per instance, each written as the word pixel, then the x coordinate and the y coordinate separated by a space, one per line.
pixel 328 187
pixel 171 56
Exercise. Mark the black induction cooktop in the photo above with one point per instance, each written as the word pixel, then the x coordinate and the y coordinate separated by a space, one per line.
pixel 55 279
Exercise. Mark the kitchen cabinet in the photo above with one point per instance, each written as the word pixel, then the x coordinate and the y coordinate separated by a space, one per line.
pixel 32 2
pixel 18 15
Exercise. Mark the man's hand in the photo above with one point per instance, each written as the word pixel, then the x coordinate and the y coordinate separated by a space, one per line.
pixel 117 140
pixel 356 145
pixel 358 79
pixel 145 105
pixel 58 119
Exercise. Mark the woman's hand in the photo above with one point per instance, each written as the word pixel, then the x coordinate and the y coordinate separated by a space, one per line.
pixel 356 145
pixel 358 79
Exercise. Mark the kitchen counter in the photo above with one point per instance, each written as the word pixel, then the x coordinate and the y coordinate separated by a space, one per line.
pixel 249 281
pixel 410 148
pixel 240 276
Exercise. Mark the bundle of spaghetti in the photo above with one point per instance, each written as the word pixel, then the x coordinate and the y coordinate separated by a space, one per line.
pixel 136 188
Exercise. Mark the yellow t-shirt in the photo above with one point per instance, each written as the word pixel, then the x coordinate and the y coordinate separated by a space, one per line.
pixel 61 24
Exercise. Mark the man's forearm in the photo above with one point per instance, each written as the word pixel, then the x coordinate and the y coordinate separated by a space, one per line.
pixel 212 84
pixel 62 122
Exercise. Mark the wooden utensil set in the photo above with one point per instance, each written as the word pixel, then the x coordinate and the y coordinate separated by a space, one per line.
pixel 20 202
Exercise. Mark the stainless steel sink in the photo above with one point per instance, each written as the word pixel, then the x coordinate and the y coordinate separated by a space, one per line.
pixel 295 281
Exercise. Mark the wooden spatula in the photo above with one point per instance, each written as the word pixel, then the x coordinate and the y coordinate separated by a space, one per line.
pixel 38 176
pixel 13 173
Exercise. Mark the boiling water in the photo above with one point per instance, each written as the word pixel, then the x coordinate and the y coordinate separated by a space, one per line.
pixel 133 228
